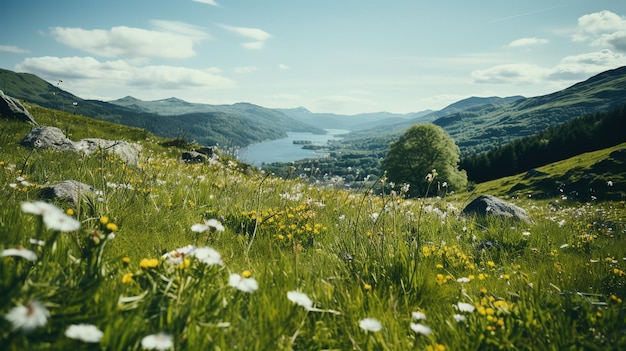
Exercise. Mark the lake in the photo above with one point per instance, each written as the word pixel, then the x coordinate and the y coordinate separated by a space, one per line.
pixel 284 150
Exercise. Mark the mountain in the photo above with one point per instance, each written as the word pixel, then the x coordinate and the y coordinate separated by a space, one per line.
pixel 481 128
pixel 349 122
pixel 236 125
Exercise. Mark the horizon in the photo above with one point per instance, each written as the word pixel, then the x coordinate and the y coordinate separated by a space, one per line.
pixel 346 58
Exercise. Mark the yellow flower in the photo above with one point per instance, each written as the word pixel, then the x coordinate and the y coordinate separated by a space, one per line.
pixel 246 274
pixel 127 278
pixel 367 287
pixel 70 212
pixel 148 263
pixel 126 259
pixel 104 220
pixel 112 227
pixel 439 266
pixel 491 264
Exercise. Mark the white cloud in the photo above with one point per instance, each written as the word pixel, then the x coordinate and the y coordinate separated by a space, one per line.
pixel 87 75
pixel 13 49
pixel 171 40
pixel 515 73
pixel 283 66
pixel 208 2
pixel 603 29
pixel 577 67
pixel 524 42
pixel 245 69
pixel 570 68
pixel 257 35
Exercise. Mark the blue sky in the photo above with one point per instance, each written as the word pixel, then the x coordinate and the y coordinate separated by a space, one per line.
pixel 341 56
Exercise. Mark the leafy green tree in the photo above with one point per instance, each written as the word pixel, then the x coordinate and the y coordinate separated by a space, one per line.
pixel 422 148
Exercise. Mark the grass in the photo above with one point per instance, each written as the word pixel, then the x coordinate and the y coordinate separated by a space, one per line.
pixel 554 284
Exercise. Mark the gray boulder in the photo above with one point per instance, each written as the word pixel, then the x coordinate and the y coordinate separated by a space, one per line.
pixel 11 108
pixel 128 152
pixel 53 138
pixel 47 138
pixel 490 206
pixel 69 190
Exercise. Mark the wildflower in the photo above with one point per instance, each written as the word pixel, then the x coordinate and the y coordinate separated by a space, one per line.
pixel 158 341
pixel 36 242
pixel 206 224
pixel 104 220
pixel 464 307
pixel 148 263
pixel 126 260
pixel 112 227
pixel 459 318
pixel 21 252
pixel 127 278
pixel 70 212
pixel 53 217
pixel 421 329
pixel 491 264
pixel 418 316
pixel 564 246
pixel 367 287
pixel 84 332
pixel 300 299
pixel 370 325
pixel 463 280
pixel 178 256
pixel 243 284
pixel 28 317
pixel 208 256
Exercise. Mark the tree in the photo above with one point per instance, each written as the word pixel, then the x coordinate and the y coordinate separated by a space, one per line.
pixel 422 148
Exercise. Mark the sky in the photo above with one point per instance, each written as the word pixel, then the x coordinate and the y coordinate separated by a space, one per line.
pixel 338 56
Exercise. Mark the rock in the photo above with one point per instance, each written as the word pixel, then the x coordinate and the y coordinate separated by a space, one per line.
pixel 11 108
pixel 69 190
pixel 193 157
pixel 47 138
pixel 53 138
pixel 488 205
pixel 128 152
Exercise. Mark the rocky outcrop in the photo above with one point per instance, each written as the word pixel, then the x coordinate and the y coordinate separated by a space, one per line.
pixel 69 190
pixel 12 109
pixel 53 138
pixel 490 206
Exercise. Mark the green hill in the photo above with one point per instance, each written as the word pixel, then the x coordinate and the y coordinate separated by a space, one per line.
pixel 236 125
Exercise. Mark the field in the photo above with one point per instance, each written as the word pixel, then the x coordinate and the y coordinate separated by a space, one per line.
pixel 217 256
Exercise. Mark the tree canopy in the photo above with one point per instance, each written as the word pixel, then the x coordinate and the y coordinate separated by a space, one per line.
pixel 422 148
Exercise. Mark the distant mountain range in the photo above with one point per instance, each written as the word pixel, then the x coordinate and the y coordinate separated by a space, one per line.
pixel 479 124
pixel 476 123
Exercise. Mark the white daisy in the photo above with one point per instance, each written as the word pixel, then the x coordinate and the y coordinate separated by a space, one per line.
pixel 84 332
pixel 370 325
pixel 206 225
pixel 158 341
pixel 464 307
pixel 21 252
pixel 243 284
pixel 208 256
pixel 459 317
pixel 421 329
pixel 28 317
pixel 418 316
pixel 61 222
pixel 300 299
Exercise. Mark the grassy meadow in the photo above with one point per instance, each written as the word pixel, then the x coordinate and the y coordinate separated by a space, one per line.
pixel 217 256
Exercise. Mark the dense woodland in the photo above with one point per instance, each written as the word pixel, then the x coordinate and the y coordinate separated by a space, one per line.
pixel 586 133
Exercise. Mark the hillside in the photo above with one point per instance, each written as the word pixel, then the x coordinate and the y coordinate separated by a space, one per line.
pixel 230 126
pixel 592 176
pixel 352 122
pixel 218 256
